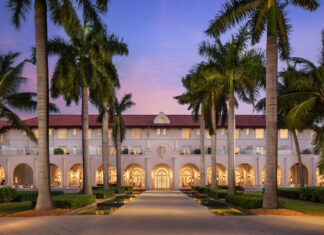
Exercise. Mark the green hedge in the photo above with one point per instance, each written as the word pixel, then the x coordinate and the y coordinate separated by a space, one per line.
pixel 237 188
pixel 128 188
pixel 201 189
pixel 7 194
pixel 246 201
pixel 221 193
pixel 22 196
pixel 119 190
pixel 102 194
pixel 293 193
pixel 313 194
pixel 71 201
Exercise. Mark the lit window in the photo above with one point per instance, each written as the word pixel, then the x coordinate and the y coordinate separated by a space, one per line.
pixel 35 131
pixel 223 148
pixel 208 135
pixel 99 132
pixel 247 131
pixel 35 150
pixel 99 149
pixel 110 133
pixel 283 133
pixel 25 149
pixel 161 120
pixel 25 133
pixel 186 133
pixel 89 133
pixel 259 133
pixel 160 131
pixel 112 151
pixel 63 148
pixel 237 133
pixel 50 132
pixel 137 132
pixel 186 150
pixel 74 149
pixel 260 150
pixel 198 131
pixel 1 137
pixel 137 150
pixel 62 133
pixel 8 134
pixel 74 131
pixel 223 131
pixel 237 149
pixel 297 132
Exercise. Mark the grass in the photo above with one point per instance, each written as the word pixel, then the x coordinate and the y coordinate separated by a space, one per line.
pixel 311 208
pixel 13 207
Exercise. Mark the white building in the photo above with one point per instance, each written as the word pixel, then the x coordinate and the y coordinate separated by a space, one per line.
pixel 162 153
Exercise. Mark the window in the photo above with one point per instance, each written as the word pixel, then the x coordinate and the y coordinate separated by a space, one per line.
pixel 64 149
pixel 110 133
pixel 223 148
pixel 198 131
pixel 223 131
pixel 74 149
pixel 50 132
pixel 259 133
pixel 186 133
pixel 1 138
pixel 62 133
pixel 35 131
pixel 237 133
pixel 260 150
pixel 237 149
pixel 247 131
pixel 112 151
pixel 25 149
pixel 8 134
pixel 160 131
pixel 208 135
pixel 35 150
pixel 161 120
pixel 137 133
pixel 99 132
pixel 99 149
pixel 74 131
pixel 137 150
pixel 25 133
pixel 283 133
pixel 186 150
pixel 89 133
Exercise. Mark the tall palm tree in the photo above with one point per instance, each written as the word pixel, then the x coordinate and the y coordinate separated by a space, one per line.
pixel 264 15
pixel 61 14
pixel 117 108
pixel 103 96
pixel 245 73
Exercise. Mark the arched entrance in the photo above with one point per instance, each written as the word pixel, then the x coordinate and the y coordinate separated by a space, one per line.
pixel 279 176
pixel 112 175
pixel 2 175
pixel 55 175
pixel 75 176
pixel 319 178
pixel 294 175
pixel 23 175
pixel 162 177
pixel 189 176
pixel 134 176
pixel 245 175
pixel 221 174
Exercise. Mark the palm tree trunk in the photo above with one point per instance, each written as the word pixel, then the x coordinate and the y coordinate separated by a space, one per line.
pixel 44 200
pixel 119 173
pixel 85 143
pixel 213 146
pixel 105 150
pixel 202 147
pixel 300 164
pixel 270 200
pixel 231 140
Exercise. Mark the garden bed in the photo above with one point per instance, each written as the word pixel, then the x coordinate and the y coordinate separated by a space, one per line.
pixel 280 211
pixel 28 213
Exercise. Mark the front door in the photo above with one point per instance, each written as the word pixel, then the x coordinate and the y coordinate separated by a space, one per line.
pixel 161 179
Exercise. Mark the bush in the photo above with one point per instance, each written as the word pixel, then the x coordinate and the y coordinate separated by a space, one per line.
pixel 221 193
pixel 293 193
pixel 58 151
pixel 22 196
pixel 209 150
pixel 197 151
pixel 237 188
pixel 71 201
pixel 7 194
pixel 97 187
pixel 119 190
pixel 313 194
pixel 102 194
pixel 201 189
pixel 246 201
pixel 125 151
pixel 128 188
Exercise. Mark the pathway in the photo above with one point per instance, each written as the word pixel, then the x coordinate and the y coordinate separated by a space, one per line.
pixel 162 212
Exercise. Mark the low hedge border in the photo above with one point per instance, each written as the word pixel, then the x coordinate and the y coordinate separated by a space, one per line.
pixel 249 201
pixel 7 194
pixel 102 194
pixel 71 201
pixel 22 196
pixel 293 193
pixel 313 194
pixel 221 193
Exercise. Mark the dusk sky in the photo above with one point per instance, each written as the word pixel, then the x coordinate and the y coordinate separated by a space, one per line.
pixel 163 37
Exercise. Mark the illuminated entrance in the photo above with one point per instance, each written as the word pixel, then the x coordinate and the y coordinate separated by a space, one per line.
pixel 189 176
pixel 112 175
pixel 319 178
pixel 75 176
pixel 162 177
pixel 23 175
pixel 294 175
pixel 221 174
pixel 245 175
pixel 279 176
pixel 135 176
pixel 55 175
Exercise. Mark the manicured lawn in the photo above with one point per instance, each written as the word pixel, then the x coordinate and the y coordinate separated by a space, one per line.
pixel 311 208
pixel 12 207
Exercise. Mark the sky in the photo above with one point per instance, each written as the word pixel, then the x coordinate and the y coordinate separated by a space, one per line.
pixel 163 38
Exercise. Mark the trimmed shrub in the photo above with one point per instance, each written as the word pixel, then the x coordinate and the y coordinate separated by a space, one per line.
pixel 128 188
pixel 246 201
pixel 125 151
pixel 202 189
pixel 196 151
pixel 71 201
pixel 102 194
pixel 58 151
pixel 238 188
pixel 209 150
pixel 119 190
pixel 97 187
pixel 7 194
pixel 313 194
pixel 221 193
pixel 22 196
pixel 293 193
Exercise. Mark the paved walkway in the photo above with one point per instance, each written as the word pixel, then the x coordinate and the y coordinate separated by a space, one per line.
pixel 162 212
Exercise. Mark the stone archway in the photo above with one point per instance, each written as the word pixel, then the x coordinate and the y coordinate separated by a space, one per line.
pixel 221 174
pixel 245 175
pixel 134 175
pixel 75 176
pixel 294 175
pixel 2 175
pixel 162 177
pixel 23 175
pixel 319 178
pixel 189 175
pixel 279 176
pixel 55 175
pixel 112 175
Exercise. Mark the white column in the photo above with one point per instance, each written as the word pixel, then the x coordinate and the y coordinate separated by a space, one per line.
pixel 9 182
pixel 92 179
pixel 286 176
pixel 258 172
pixel 64 173
pixel 313 173
pixel 35 180
pixel 148 173
pixel 175 174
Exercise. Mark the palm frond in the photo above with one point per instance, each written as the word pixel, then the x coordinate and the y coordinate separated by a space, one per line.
pixel 19 9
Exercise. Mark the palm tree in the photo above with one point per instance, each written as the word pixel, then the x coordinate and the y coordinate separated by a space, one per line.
pixel 261 15
pixel 117 108
pixel 61 14
pixel 103 96
pixel 245 73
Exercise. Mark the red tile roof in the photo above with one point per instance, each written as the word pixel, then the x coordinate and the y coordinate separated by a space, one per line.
pixel 143 121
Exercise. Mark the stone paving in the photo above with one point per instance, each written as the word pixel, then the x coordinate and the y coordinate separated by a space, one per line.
pixel 162 212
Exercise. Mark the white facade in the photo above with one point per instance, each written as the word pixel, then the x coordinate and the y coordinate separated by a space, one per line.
pixel 160 155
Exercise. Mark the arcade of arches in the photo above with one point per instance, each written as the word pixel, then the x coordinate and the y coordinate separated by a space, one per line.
pixel 2 175
pixel 294 175
pixel 279 176
pixel 55 175
pixel 221 174
pixel 75 175
pixel 134 176
pixel 189 175
pixel 245 175
pixel 319 178
pixel 23 175
pixel 112 175
pixel 162 177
